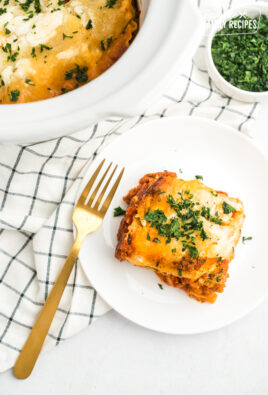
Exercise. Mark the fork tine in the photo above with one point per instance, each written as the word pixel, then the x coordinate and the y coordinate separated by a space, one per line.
pixel 87 188
pixel 104 190
pixel 110 196
pixel 94 193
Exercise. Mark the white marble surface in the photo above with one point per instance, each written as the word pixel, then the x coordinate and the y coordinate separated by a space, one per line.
pixel 116 357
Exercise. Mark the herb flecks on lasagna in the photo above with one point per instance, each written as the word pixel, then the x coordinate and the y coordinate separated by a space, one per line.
pixel 182 230
pixel 50 47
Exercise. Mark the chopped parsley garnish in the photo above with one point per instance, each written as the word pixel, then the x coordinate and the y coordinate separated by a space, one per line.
pixel 89 24
pixel 148 236
pixel 118 211
pixel 155 217
pixel 240 53
pixel 214 193
pixel 25 6
pixel 11 55
pixel 108 43
pixel 160 286
pixel 33 54
pixel 64 90
pixel 205 212
pixel 102 45
pixel 7 31
pixel 37 6
pixel 156 240
pixel 110 3
pixel 179 272
pixel 193 251
pixel 180 171
pixel 174 250
pixel 43 46
pixel 79 73
pixel 218 279
pixel 198 177
pixel 65 36
pixel 246 239
pixel 3 11
pixel 227 209
pixel 14 95
pixel 186 225
pixel 30 15
pixel 203 235
pixel 159 192
pixel 29 82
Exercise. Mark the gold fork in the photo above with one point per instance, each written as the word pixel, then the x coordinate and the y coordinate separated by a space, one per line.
pixel 87 219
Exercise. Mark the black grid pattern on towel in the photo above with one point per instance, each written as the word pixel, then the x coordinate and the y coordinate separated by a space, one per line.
pixel 38 185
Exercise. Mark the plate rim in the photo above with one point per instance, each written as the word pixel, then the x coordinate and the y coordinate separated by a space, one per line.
pixel 86 175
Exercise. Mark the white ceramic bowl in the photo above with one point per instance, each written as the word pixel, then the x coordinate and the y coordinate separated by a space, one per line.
pixel 252 10
pixel 169 34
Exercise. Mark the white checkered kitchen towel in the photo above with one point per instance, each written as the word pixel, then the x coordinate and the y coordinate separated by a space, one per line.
pixel 38 186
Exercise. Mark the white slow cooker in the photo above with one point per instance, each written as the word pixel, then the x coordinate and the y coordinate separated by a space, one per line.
pixel 169 34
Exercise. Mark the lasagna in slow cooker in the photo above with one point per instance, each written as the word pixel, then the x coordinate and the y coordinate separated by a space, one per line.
pixel 182 230
pixel 50 47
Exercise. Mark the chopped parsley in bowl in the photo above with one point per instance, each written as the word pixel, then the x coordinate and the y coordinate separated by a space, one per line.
pixel 237 53
pixel 241 54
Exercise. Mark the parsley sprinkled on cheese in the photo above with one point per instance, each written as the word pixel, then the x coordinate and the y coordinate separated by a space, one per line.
pixel 11 57
pixel 65 36
pixel 108 43
pixel 227 209
pixel 29 82
pixel 198 177
pixel 110 3
pixel 80 74
pixel 43 46
pixel 14 95
pixel 160 286
pixel 102 45
pixel 89 25
pixel 187 224
pixel 213 193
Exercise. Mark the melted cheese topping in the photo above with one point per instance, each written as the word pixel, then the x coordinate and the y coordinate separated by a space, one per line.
pixel 200 271
pixel 42 40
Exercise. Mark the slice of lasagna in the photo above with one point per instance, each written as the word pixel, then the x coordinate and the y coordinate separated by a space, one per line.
pixel 182 230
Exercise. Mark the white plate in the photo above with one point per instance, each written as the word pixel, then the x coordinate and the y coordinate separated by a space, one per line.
pixel 228 161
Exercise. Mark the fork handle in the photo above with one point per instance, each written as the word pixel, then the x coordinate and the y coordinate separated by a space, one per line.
pixel 33 345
